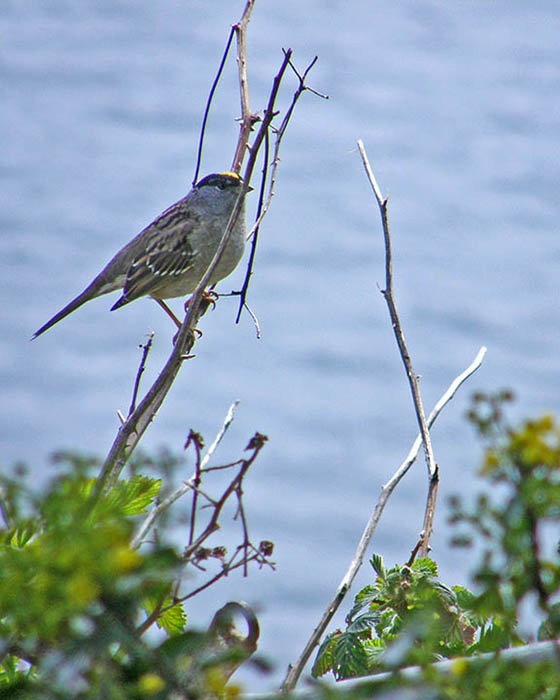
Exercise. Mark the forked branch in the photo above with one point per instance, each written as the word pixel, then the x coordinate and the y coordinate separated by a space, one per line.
pixel 295 671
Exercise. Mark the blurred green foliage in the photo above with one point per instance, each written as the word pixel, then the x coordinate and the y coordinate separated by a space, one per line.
pixel 76 599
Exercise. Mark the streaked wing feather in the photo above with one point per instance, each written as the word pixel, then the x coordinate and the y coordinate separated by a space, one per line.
pixel 168 252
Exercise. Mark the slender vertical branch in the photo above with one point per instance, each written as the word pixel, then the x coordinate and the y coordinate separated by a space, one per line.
pixel 209 103
pixel 247 117
pixel 411 375
pixel 263 133
pixel 197 442
pixel 145 352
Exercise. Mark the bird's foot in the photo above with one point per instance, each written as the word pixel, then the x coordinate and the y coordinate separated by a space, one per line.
pixel 209 298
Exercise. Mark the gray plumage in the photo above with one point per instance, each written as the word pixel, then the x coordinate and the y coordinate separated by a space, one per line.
pixel 170 256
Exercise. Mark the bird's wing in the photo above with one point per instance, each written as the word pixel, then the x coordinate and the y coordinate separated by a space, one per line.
pixel 166 251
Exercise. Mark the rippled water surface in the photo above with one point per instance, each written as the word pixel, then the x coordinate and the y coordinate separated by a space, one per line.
pixel 458 105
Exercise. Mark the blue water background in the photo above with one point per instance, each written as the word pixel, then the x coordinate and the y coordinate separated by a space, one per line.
pixel 458 105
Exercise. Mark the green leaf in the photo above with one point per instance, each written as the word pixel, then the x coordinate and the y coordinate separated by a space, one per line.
pixel 132 497
pixel 373 649
pixel 549 628
pixel 349 657
pixel 494 638
pixel 377 563
pixel 139 492
pixel 364 598
pixel 425 565
pixel 173 620
pixel 20 535
pixel 363 622
pixel 324 660
pixel 466 600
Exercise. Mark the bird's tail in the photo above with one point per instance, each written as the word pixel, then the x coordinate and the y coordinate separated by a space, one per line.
pixel 86 295
pixel 95 289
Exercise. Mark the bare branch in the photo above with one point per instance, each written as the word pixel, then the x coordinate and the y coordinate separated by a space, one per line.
pixel 145 353
pixel 399 335
pixel 223 430
pixel 187 486
pixel 294 672
pixel 255 444
pixel 197 442
pixel 209 103
pixel 247 117
pixel 245 552
pixel 263 208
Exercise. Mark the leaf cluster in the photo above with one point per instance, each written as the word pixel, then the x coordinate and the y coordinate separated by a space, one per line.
pixel 407 616
pixel 77 597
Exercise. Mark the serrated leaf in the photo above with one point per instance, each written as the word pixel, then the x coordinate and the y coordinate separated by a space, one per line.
pixel 323 660
pixel 373 649
pixel 549 628
pixel 468 604
pixel 377 563
pixel 131 497
pixel 425 565
pixel 139 492
pixel 173 621
pixel 494 638
pixel 363 622
pixel 445 593
pixel 364 598
pixel 466 600
pixel 349 657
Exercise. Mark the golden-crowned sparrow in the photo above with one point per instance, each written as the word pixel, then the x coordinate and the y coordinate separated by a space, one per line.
pixel 170 256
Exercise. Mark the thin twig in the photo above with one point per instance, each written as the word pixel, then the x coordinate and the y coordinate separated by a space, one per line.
pixel 237 210
pixel 226 569
pixel 429 512
pixel 145 352
pixel 414 552
pixel 245 528
pixel 256 443
pixel 247 117
pixel 302 87
pixel 209 103
pixel 254 234
pixel 294 672
pixel 196 483
pixel 223 430
pixel 255 320
pixel 157 511
pixel 187 486
pixel 399 335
